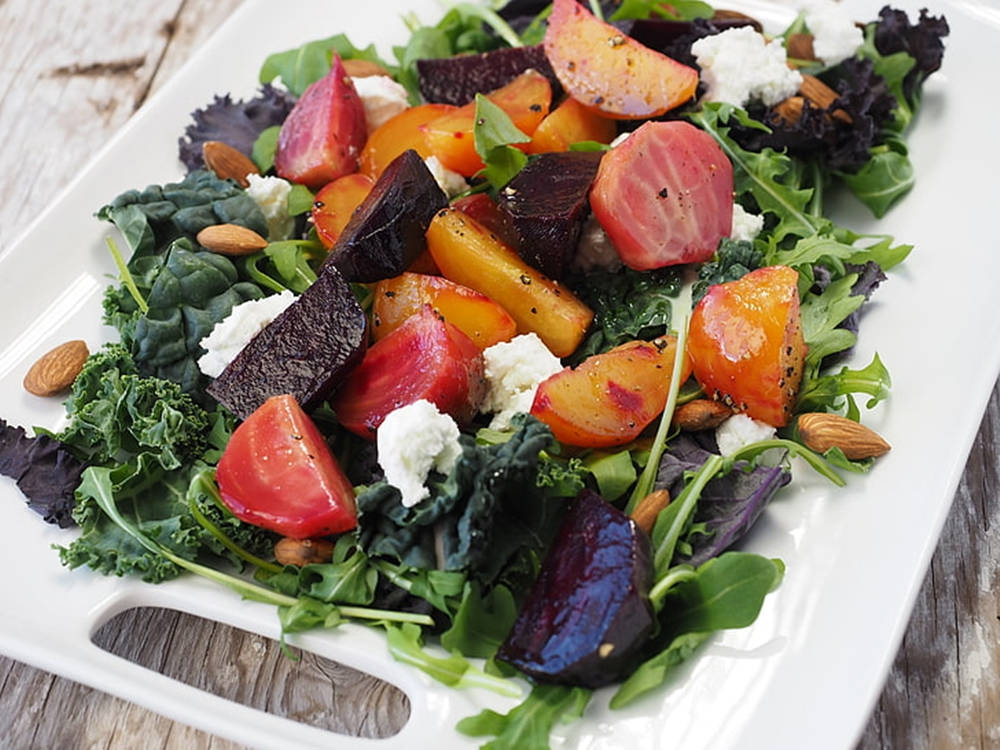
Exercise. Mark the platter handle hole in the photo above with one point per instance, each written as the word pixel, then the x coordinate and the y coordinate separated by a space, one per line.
pixel 252 670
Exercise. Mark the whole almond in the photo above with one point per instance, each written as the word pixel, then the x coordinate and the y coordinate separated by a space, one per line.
pixel 800 47
pixel 790 109
pixel 821 432
pixel 227 162
pixel 231 239
pixel 701 414
pixel 55 371
pixel 644 514
pixel 735 15
pixel 363 69
pixel 303 551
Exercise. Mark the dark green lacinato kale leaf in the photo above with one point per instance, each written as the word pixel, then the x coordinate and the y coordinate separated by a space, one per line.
pixel 627 305
pixel 235 123
pixel 733 260
pixel 152 218
pixel 477 518
pixel 46 472
pixel 116 414
pixel 188 292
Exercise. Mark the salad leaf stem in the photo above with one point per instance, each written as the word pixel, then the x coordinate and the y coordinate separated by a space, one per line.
pixel 200 482
pixel 493 20
pixel 595 8
pixel 673 576
pixel 645 484
pixel 126 276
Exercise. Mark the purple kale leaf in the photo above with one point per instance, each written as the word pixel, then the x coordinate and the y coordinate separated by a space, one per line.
pixel 46 472
pixel 922 41
pixel 841 135
pixel 729 505
pixel 235 123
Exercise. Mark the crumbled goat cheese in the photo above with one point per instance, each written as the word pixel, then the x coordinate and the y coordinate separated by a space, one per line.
pixel 513 371
pixel 746 226
pixel 271 196
pixel 835 37
pixel 740 430
pixel 382 98
pixel 411 441
pixel 452 183
pixel 739 65
pixel 234 332
pixel 594 250
pixel 620 139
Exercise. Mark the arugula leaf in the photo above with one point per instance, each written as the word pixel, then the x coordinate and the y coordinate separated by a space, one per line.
pixel 676 10
pixel 482 622
pixel 656 670
pixel 885 178
pixel 827 392
pixel 771 178
pixel 264 148
pixel 406 646
pixel 822 315
pixel 349 578
pixel 527 726
pixel 494 131
pixel 302 66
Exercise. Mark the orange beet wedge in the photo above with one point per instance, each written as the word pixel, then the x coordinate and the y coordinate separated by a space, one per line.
pixel 473 313
pixel 398 134
pixel 746 343
pixel 526 100
pixel 471 255
pixel 335 204
pixel 570 123
pixel 610 73
pixel 609 398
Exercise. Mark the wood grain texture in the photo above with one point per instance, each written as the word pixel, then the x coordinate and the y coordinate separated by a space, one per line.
pixel 71 73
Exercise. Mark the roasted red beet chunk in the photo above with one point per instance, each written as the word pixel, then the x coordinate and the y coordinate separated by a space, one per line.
pixel 588 613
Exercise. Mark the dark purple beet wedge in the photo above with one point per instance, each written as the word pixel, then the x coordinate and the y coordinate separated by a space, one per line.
pixel 588 614
pixel 306 351
pixel 547 205
pixel 386 233
pixel 457 80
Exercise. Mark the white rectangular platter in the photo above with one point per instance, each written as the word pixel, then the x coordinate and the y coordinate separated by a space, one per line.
pixel 807 673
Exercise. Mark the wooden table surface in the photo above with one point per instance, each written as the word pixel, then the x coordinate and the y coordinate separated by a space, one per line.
pixel 71 73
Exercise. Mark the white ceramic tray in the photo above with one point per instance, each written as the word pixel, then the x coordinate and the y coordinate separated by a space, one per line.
pixel 808 672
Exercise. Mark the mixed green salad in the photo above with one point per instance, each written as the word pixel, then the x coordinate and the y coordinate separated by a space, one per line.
pixel 591 537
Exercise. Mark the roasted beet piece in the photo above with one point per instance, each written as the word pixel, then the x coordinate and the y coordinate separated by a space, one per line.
pixel 547 204
pixel 588 614
pixel 457 80
pixel 306 351
pixel 386 233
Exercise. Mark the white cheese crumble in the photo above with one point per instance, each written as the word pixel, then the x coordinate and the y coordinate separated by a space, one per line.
pixel 739 65
pixel 271 196
pixel 513 371
pixel 835 37
pixel 595 250
pixel 411 441
pixel 620 139
pixel 234 332
pixel 452 183
pixel 746 226
pixel 382 98
pixel 740 430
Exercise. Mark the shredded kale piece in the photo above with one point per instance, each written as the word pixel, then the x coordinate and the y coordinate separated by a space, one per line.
pixel 733 260
pixel 235 123
pixel 477 518
pixel 627 305
pixel 46 472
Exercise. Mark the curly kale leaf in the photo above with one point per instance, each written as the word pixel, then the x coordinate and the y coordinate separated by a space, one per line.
pixel 153 218
pixel 627 305
pixel 479 516
pixel 46 472
pixel 235 123
pixel 921 41
pixel 733 260
pixel 188 292
pixel 116 414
